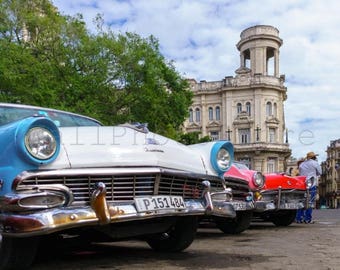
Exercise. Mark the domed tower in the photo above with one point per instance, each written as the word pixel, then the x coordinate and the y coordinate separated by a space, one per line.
pixel 260 133
pixel 258 46
pixel 247 109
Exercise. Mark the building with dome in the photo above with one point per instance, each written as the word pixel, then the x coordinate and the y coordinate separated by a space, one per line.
pixel 248 108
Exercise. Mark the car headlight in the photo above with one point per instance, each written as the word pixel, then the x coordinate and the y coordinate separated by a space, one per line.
pixel 40 143
pixel 223 159
pixel 222 155
pixel 38 140
pixel 258 179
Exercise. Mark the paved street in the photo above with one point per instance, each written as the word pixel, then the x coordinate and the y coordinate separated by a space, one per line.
pixel 263 246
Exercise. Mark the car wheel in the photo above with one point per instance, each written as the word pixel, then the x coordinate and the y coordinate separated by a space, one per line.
pixel 17 253
pixel 177 238
pixel 236 225
pixel 284 218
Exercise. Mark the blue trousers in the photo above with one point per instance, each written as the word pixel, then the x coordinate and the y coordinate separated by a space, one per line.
pixel 306 214
pixel 300 215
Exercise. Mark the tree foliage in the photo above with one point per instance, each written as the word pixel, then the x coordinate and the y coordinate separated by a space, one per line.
pixel 49 59
pixel 192 138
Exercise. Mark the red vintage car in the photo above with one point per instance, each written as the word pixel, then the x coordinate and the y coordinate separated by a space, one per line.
pixel 277 196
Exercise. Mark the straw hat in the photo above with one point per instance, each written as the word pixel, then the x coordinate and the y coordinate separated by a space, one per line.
pixel 311 155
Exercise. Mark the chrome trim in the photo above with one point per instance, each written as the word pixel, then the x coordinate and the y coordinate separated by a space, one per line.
pixel 99 204
pixel 261 206
pixel 243 206
pixel 105 171
pixel 11 202
pixel 281 199
pixel 100 212
pixel 278 205
pixel 207 196
pixel 122 184
pixel 57 219
pixel 223 209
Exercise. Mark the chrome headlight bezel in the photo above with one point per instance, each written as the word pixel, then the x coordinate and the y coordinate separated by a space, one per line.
pixel 258 179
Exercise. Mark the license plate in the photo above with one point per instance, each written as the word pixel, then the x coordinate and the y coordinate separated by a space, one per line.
pixel 239 206
pixel 290 206
pixel 154 203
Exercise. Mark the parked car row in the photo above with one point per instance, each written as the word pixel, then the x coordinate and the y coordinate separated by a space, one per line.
pixel 277 196
pixel 66 175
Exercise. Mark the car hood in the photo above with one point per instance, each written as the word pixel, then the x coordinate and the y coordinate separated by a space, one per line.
pixel 247 175
pixel 118 146
pixel 275 180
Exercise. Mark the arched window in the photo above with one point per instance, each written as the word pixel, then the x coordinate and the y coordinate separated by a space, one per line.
pixel 198 115
pixel 211 114
pixel 239 108
pixel 248 108
pixel 191 116
pixel 218 113
pixel 269 111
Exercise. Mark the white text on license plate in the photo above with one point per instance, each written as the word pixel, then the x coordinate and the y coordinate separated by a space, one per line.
pixel 159 203
pixel 239 206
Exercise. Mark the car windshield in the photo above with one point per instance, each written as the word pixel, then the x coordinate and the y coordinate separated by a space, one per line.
pixel 61 119
pixel 241 166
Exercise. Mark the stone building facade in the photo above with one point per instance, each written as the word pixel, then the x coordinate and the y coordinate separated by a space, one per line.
pixel 329 184
pixel 247 109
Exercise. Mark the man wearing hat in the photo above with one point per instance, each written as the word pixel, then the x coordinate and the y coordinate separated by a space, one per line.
pixel 311 169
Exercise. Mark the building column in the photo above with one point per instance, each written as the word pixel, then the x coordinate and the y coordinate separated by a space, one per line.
pixel 242 60
pixel 276 65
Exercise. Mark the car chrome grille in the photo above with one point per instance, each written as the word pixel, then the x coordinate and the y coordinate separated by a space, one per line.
pixel 126 187
pixel 240 188
pixel 286 195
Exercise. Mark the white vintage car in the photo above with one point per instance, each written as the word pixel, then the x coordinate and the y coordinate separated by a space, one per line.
pixel 66 174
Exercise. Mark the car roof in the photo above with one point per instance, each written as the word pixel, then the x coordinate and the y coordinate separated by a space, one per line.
pixel 24 106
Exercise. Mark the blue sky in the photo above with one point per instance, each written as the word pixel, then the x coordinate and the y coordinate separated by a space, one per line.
pixel 200 36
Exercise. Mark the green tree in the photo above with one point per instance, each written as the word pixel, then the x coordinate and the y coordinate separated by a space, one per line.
pixel 35 42
pixel 52 60
pixel 192 138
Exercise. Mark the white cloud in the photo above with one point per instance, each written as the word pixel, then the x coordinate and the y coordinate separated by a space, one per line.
pixel 200 36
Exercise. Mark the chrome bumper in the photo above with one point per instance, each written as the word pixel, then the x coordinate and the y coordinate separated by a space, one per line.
pixel 261 206
pixel 276 202
pixel 243 206
pixel 100 212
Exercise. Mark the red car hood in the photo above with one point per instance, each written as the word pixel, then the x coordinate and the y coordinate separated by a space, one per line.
pixel 275 180
pixel 235 172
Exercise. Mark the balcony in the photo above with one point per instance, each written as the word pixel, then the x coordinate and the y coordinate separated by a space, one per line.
pixel 262 147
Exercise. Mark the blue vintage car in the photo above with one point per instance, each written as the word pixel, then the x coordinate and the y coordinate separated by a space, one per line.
pixel 66 174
